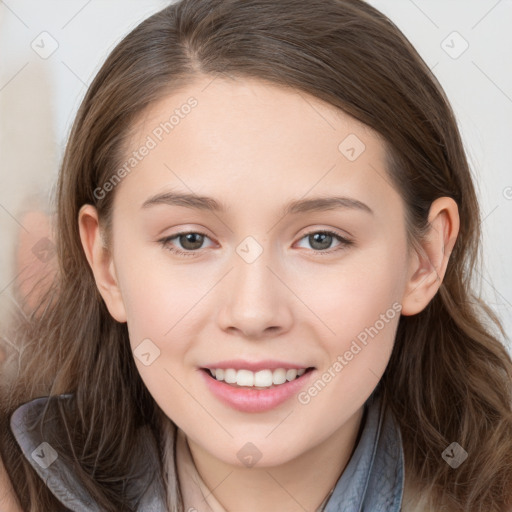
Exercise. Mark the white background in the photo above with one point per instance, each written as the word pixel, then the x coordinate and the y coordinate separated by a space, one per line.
pixel 39 98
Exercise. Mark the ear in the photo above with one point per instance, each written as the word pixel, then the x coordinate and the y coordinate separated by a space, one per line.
pixel 100 261
pixel 428 265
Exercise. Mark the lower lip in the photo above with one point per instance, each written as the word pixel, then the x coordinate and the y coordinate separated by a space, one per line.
pixel 255 400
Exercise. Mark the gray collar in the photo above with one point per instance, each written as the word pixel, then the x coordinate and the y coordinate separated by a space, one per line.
pixel 372 481
pixel 374 477
pixel 41 446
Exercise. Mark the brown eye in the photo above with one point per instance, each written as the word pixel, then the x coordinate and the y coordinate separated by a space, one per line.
pixel 191 241
pixel 188 243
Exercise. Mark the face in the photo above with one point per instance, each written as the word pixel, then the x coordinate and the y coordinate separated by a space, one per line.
pixel 261 276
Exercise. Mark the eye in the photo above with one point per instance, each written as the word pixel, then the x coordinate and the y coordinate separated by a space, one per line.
pixel 191 241
pixel 320 241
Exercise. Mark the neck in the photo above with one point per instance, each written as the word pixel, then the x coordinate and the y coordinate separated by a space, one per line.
pixel 302 483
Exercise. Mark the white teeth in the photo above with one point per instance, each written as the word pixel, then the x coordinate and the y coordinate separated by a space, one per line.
pixel 244 378
pixel 263 379
pixel 279 376
pixel 230 375
pixel 291 374
pixel 260 379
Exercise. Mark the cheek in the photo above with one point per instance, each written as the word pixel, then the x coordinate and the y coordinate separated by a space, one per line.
pixel 362 310
pixel 164 304
pixel 360 305
pixel 159 300
pixel 159 297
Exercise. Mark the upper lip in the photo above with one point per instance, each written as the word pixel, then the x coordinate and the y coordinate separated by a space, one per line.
pixel 269 364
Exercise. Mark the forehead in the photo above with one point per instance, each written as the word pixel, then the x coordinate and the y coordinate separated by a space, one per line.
pixel 241 138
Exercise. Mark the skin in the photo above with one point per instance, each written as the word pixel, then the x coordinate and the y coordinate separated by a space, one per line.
pixel 256 146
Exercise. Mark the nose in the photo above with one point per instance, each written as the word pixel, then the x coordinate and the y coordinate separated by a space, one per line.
pixel 257 304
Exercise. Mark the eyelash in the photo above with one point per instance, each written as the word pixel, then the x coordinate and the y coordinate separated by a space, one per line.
pixel 344 242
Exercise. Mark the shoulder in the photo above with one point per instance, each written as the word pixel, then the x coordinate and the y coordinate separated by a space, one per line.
pixel 8 500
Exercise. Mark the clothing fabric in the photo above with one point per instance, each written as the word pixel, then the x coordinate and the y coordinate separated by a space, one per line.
pixel 372 481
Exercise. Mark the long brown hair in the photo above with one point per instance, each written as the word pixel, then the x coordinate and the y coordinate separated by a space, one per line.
pixel 449 377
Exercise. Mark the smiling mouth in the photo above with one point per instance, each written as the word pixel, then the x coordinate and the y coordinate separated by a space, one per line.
pixel 263 379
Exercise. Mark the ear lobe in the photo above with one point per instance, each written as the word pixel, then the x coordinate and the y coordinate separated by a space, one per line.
pixel 428 264
pixel 101 261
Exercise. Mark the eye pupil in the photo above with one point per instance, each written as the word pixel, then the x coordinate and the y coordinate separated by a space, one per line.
pixel 324 240
pixel 195 239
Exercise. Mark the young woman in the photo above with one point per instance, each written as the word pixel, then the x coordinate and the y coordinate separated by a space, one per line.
pixel 266 236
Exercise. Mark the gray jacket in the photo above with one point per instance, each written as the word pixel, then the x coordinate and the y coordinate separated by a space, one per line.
pixel 372 481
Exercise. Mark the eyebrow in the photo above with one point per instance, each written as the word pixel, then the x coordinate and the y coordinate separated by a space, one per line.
pixel 206 203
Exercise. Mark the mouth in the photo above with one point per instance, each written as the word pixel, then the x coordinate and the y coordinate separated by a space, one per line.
pixel 259 380
pixel 264 387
